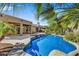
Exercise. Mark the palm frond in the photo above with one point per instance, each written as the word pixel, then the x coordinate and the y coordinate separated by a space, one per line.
pixel 38 10
pixel 5 28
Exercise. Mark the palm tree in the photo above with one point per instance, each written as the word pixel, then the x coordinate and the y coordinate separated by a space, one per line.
pixel 68 20
pixel 71 17
pixel 43 10
pixel 6 28
pixel 48 13
pixel 38 12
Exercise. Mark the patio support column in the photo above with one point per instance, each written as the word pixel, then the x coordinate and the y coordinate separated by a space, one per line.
pixel 21 29
pixel 29 29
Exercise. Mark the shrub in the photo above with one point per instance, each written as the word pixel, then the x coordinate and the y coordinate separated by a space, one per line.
pixel 72 36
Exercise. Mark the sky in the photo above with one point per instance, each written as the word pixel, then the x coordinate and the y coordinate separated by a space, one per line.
pixel 26 12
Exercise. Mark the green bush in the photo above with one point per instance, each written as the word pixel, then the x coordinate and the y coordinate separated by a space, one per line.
pixel 77 37
pixel 72 36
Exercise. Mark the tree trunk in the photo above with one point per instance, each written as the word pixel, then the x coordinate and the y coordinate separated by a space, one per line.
pixel 1 38
pixel 38 26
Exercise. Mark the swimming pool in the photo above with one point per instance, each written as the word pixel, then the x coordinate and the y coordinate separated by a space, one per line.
pixel 43 45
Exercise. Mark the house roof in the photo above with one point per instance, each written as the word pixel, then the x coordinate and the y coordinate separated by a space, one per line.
pixel 13 18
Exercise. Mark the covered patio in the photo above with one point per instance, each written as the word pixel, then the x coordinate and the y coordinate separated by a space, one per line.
pixel 22 26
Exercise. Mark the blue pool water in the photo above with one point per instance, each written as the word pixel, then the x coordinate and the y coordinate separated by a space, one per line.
pixel 43 45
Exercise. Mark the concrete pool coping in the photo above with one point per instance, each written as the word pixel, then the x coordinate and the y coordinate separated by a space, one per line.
pixel 75 51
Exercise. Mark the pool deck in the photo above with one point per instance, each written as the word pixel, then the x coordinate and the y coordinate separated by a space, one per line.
pixel 26 39
pixel 17 39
